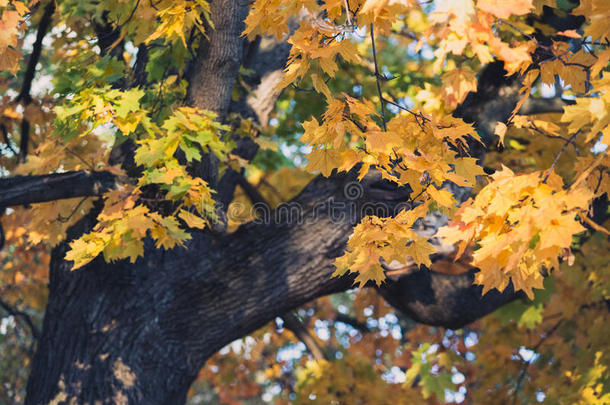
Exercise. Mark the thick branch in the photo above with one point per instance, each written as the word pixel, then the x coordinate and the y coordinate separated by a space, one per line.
pixel 21 190
pixel 291 321
pixel 266 58
pixel 445 300
pixel 266 269
pixel 218 59
pixel 30 71
pixel 24 94
pixel 544 105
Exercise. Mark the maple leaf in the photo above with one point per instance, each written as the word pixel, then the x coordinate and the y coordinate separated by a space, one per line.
pixel 324 160
pixel 441 197
pixel 559 232
pixel 168 233
pixel 457 83
pixel 504 9
pixel 83 250
pixel 420 250
pixel 128 103
pixel 192 220
pixel 468 169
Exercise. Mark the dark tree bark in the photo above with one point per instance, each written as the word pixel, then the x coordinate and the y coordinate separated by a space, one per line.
pixel 21 190
pixel 139 333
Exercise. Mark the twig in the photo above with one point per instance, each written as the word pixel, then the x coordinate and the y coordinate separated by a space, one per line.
pixel 587 172
pixel 347 12
pixel 6 139
pixel 565 145
pixel 130 15
pixel 89 165
pixel 594 225
pixel 526 365
pixel 417 115
pixel 294 324
pixel 406 34
pixel 66 219
pixel 20 314
pixel 520 31
pixel 377 76
pixel 362 327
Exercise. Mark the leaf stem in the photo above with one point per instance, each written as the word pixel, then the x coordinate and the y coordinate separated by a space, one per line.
pixel 377 76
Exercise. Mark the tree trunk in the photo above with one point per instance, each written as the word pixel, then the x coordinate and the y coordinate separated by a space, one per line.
pixel 105 340
pixel 105 334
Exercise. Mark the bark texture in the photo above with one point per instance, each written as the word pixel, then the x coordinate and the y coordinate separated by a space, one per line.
pixel 20 190
pixel 215 69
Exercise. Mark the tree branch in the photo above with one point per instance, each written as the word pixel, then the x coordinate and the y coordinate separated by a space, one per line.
pixel 544 105
pixel 291 321
pixel 252 192
pixel 281 261
pixel 353 322
pixel 24 94
pixel 30 71
pixel 527 364
pixel 266 59
pixel 22 190
pixel 23 315
pixel 445 300
pixel 293 324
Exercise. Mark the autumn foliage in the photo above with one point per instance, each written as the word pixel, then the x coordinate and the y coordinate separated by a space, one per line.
pixel 369 86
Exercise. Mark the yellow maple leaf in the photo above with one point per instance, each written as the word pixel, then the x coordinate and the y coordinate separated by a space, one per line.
pixel 468 169
pixel 504 9
pixel 441 197
pixel 324 160
pixel 559 232
pixel 420 250
pixel 192 220
pixel 457 83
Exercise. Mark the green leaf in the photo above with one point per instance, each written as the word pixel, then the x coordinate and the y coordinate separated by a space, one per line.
pixel 177 191
pixel 532 316
pixel 190 151
pixel 436 384
pixel 129 102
